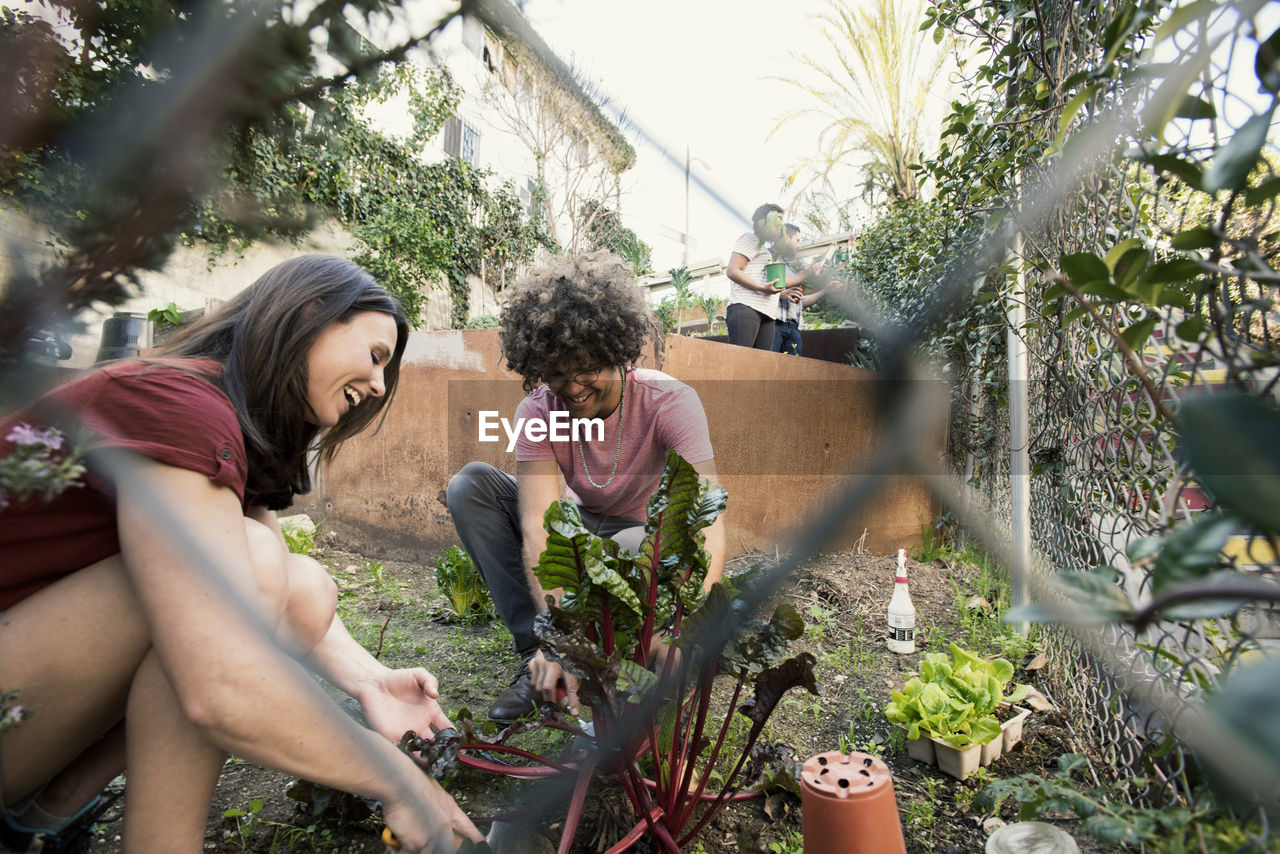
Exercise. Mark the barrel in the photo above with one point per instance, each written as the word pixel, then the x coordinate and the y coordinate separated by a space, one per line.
pixel 123 335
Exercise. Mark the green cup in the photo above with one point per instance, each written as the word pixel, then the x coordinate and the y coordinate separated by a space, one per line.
pixel 776 273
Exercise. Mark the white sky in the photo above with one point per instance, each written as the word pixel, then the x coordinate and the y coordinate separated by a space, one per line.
pixel 695 73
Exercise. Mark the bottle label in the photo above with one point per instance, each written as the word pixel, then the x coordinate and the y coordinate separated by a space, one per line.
pixel 902 633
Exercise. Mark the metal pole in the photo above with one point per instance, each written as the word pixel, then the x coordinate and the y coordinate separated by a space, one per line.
pixel 1019 453
pixel 685 261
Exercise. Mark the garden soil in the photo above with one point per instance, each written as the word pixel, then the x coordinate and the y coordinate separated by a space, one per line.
pixel 394 606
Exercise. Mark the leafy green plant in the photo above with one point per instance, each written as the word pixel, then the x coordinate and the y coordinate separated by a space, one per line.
pixel 1108 817
pixel 618 615
pixel 462 585
pixel 38 466
pixel 169 315
pixel 300 539
pixel 954 698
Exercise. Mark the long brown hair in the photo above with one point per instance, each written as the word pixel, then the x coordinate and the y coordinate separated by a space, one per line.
pixel 262 337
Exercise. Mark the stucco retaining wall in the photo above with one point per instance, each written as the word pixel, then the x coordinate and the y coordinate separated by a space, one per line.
pixel 787 432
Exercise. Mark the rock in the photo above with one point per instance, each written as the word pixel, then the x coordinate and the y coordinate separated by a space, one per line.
pixel 298 522
pixel 992 824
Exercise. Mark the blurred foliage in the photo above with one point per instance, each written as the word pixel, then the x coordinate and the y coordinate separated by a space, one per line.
pixel 605 230
pixel 129 126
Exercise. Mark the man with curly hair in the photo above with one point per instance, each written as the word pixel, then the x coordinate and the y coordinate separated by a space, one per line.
pixel 573 329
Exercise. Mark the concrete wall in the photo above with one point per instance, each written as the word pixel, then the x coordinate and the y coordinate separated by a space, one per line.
pixel 787 432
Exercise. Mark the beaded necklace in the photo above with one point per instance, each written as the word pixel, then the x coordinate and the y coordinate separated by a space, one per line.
pixel 617 451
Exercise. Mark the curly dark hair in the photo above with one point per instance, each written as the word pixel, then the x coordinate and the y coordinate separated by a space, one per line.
pixel 582 311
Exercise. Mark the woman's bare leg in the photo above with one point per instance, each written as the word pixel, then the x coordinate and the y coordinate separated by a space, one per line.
pixel 70 651
pixel 173 769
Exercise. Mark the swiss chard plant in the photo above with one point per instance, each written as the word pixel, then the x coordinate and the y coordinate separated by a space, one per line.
pixel 954 698
pixel 645 641
pixel 462 586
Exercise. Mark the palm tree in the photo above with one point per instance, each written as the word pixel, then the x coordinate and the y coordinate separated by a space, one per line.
pixel 874 98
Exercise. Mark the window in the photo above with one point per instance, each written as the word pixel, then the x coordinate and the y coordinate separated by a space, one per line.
pixel 462 141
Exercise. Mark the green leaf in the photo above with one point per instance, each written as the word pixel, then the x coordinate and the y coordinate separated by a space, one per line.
pixel 1192 551
pixel 1084 267
pixel 1255 196
pixel 1097 591
pixel 1182 16
pixel 1178 79
pixel 1190 173
pixel 1071 108
pixel 1190 329
pixel 1267 64
pixel 1230 439
pixel 1242 708
pixel 1206 606
pixel 1129 265
pixel 1194 238
pixel 1194 107
pixel 1118 252
pixel 1235 160
pixel 1177 270
pixel 1136 334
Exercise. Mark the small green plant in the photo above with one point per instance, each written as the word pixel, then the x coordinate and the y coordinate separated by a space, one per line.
pixel 919 814
pixel 953 699
pixel 463 587
pixel 37 466
pixel 300 539
pixel 1108 817
pixel 792 843
pixel 816 631
pixel 242 822
pixel 169 315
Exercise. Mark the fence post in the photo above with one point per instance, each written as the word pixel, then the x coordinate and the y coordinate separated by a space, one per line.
pixel 1019 453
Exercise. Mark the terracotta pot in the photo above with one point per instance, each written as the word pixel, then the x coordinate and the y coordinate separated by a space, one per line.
pixel 849 806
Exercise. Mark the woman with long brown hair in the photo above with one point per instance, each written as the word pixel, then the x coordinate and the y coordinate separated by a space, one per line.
pixel 152 619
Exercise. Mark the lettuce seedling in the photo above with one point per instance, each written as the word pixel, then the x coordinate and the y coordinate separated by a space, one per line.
pixel 644 641
pixel 954 698
pixel 462 585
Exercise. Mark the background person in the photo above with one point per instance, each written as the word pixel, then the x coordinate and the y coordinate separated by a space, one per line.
pixel 786 335
pixel 753 302
pixel 573 329
pixel 152 619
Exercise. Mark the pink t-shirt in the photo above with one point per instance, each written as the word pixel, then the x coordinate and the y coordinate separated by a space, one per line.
pixel 659 413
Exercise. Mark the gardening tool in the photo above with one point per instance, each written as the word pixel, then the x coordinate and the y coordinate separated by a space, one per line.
pixel 389 840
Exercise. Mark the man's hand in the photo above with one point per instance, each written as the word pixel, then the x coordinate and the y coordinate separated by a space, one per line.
pixel 546 675
pixel 404 700
pixel 795 293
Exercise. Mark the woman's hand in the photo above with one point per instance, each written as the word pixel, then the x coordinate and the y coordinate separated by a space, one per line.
pixel 402 700
pixel 428 820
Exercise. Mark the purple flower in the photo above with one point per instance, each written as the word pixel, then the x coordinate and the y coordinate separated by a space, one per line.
pixel 25 434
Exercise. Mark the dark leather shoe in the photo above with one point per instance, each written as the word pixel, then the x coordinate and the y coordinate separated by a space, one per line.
pixel 519 700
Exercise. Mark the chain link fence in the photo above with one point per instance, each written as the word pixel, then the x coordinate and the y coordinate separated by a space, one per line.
pixel 1106 463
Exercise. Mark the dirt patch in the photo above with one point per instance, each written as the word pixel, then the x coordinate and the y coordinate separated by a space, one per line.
pixel 391 606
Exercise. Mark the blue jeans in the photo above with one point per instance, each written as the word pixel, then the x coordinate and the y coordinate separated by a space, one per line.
pixel 485 507
pixel 786 337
